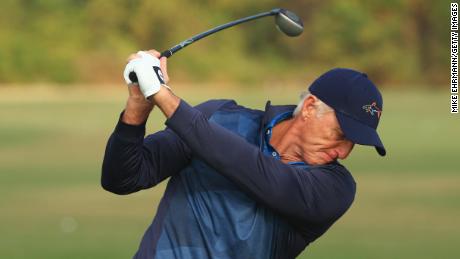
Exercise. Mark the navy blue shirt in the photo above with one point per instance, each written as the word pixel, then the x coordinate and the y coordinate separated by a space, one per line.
pixel 229 195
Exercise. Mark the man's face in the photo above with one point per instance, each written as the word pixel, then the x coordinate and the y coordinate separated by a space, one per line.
pixel 323 140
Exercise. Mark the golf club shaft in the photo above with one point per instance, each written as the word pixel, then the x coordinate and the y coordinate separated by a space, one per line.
pixel 168 53
pixel 185 43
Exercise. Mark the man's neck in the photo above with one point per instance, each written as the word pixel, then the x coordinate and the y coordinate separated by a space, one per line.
pixel 285 137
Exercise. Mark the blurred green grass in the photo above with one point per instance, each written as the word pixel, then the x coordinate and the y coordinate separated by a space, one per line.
pixel 52 206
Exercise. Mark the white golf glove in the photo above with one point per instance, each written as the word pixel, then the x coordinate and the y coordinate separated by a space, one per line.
pixel 148 72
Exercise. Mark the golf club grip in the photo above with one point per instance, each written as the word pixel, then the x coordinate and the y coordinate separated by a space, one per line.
pixel 133 77
pixel 167 53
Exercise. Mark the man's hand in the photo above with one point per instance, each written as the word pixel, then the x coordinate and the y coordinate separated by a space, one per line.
pixel 146 66
pixel 138 107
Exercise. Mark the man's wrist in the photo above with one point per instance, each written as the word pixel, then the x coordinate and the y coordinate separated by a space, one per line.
pixel 134 117
pixel 131 119
pixel 166 101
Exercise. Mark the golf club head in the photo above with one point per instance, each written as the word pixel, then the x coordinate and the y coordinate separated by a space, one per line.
pixel 288 22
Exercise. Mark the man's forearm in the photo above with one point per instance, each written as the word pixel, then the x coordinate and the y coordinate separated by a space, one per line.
pixel 134 117
pixel 132 163
pixel 137 111
pixel 137 108
pixel 166 101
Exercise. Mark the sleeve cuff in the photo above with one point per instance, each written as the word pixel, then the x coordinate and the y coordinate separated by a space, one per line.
pixel 128 131
pixel 182 118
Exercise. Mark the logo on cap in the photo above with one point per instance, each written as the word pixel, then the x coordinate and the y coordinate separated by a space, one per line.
pixel 372 109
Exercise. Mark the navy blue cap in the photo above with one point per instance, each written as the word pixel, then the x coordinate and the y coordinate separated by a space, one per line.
pixel 357 104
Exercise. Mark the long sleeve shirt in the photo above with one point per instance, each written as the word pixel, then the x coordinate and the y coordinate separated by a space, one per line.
pixel 229 195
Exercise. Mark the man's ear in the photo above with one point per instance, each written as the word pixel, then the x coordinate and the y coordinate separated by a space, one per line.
pixel 308 107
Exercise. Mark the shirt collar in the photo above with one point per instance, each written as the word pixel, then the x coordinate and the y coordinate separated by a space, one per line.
pixel 271 111
pixel 276 114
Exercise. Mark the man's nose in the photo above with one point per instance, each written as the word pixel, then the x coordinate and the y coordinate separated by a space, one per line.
pixel 344 149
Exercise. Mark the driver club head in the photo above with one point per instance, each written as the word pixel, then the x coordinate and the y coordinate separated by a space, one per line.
pixel 288 22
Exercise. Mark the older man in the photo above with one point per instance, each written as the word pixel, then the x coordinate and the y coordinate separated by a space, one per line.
pixel 243 183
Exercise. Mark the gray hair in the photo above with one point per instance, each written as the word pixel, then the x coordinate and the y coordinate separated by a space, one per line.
pixel 322 107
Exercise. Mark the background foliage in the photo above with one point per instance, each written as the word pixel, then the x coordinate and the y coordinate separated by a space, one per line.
pixel 395 41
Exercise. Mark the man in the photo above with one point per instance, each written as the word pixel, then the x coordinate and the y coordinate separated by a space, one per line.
pixel 243 183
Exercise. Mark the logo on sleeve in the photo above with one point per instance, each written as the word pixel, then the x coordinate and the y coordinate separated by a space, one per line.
pixel 373 109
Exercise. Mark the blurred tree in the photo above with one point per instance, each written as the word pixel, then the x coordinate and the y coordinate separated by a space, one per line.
pixel 394 41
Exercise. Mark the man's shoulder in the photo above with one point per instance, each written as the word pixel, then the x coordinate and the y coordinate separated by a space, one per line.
pixel 211 106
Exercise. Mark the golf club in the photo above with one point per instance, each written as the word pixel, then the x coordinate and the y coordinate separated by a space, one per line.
pixel 286 21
